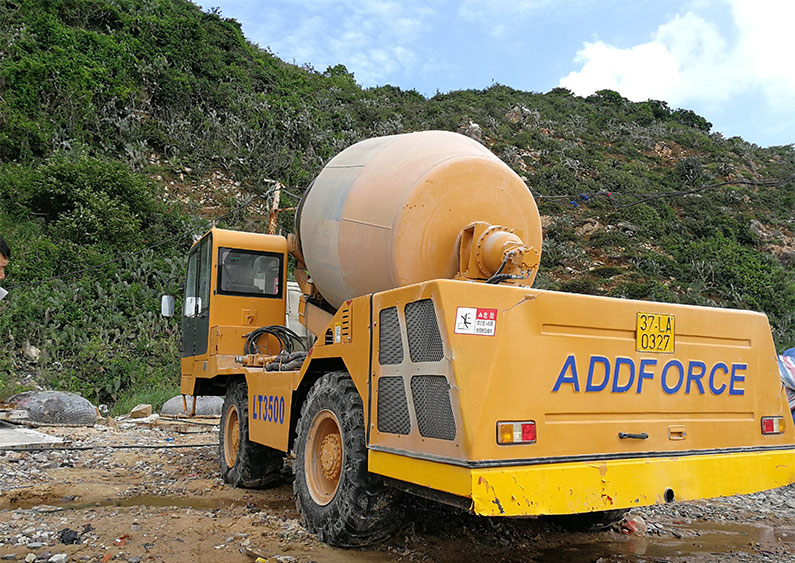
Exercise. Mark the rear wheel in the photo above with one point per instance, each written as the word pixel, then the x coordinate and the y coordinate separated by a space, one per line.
pixel 244 463
pixel 337 497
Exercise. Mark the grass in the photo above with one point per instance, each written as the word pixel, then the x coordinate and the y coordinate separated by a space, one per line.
pixel 154 396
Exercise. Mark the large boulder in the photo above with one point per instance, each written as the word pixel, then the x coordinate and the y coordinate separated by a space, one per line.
pixel 56 407
pixel 205 405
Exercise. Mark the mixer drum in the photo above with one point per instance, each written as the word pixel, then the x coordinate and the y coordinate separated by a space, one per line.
pixel 387 212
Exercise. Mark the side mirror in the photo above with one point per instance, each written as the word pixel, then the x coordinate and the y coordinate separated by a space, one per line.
pixel 192 306
pixel 167 306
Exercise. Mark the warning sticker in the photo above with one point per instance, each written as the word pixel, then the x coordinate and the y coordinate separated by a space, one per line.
pixel 471 320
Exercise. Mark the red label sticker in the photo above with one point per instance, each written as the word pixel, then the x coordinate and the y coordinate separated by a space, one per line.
pixel 474 320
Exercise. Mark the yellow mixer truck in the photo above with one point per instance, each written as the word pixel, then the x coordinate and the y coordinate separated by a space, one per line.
pixel 438 370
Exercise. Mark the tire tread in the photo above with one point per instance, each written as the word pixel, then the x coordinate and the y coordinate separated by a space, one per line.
pixel 256 466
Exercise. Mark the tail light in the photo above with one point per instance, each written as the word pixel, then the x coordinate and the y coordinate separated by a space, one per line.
pixel 772 425
pixel 516 432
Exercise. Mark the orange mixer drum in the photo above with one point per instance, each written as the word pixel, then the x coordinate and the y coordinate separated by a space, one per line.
pixel 387 212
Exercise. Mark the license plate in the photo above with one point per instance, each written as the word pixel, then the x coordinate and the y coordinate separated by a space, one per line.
pixel 655 333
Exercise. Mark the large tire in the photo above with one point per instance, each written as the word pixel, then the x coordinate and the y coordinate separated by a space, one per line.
pixel 588 521
pixel 338 499
pixel 244 463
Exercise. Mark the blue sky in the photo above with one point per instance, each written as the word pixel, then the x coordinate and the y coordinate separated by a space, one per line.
pixel 728 60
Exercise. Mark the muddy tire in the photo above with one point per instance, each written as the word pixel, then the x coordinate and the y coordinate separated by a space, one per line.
pixel 244 463
pixel 588 521
pixel 338 499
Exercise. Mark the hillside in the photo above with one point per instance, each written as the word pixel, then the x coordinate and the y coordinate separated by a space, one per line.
pixel 126 124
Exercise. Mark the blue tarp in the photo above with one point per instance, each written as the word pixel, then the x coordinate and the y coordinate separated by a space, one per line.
pixel 786 368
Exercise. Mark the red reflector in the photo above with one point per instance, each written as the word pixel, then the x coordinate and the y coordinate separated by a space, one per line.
pixel 529 432
pixel 512 433
pixel 772 425
pixel 767 426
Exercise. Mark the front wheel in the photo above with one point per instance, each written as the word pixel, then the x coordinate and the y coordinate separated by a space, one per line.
pixel 244 463
pixel 337 497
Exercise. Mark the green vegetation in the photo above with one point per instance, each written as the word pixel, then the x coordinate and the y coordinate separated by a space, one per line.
pixel 113 112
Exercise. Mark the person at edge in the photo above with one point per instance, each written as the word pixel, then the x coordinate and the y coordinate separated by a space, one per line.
pixel 5 255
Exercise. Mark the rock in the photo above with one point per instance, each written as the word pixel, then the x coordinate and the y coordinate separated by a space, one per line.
pixel 205 405
pixel 470 129
pixel 35 545
pixel 590 227
pixel 59 558
pixel 141 411
pixel 516 114
pixel 634 525
pixel 30 558
pixel 68 537
pixel 56 407
pixel 759 229
pixel 624 226
pixel 31 352
pixel 783 254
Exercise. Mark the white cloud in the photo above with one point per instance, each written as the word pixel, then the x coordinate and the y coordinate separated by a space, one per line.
pixel 767 42
pixel 644 71
pixel 688 59
pixel 373 38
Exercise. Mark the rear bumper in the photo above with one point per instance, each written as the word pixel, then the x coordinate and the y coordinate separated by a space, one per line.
pixel 567 488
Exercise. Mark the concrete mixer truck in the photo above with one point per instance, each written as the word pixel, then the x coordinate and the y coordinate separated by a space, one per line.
pixel 438 371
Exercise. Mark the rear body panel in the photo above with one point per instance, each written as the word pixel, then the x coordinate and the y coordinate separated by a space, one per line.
pixel 569 363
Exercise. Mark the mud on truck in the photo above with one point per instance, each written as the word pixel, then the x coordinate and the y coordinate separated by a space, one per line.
pixel 438 370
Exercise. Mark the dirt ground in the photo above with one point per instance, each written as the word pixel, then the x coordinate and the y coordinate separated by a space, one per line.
pixel 165 502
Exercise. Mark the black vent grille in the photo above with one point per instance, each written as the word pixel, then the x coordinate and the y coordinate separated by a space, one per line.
pixel 431 395
pixel 390 345
pixel 425 341
pixel 329 339
pixel 345 324
pixel 393 409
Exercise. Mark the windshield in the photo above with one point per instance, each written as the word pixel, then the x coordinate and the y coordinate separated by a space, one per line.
pixel 246 272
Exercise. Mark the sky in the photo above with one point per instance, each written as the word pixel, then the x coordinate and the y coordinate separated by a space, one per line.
pixel 730 61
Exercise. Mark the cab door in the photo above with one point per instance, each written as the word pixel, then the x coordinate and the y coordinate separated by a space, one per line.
pixel 196 308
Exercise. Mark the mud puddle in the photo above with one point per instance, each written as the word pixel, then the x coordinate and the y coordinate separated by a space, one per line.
pixel 123 502
pixel 81 496
pixel 690 541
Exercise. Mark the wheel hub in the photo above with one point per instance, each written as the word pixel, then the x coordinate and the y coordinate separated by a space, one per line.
pixel 331 456
pixel 324 457
pixel 231 436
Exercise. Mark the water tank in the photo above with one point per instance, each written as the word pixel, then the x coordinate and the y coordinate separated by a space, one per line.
pixel 386 212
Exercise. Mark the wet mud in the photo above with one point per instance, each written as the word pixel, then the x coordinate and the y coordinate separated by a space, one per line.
pixel 169 505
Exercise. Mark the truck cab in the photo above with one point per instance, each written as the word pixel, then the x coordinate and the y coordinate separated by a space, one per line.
pixel 236 282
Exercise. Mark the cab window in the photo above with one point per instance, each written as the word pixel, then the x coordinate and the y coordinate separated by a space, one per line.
pixel 250 273
pixel 197 285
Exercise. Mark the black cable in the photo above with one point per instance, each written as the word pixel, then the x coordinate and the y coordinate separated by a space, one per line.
pixel 497 278
pixel 284 335
pixel 289 334
pixel 646 196
pixel 285 190
pixel 499 270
